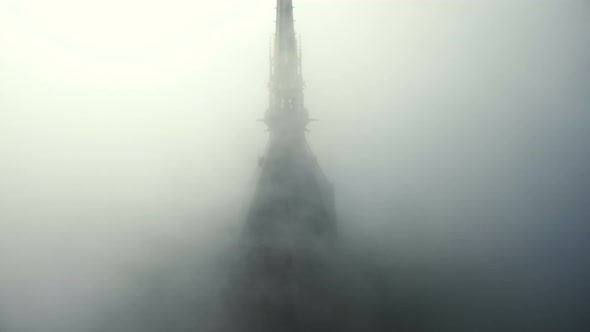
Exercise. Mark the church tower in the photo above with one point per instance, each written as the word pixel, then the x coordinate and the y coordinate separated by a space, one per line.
pixel 284 282
pixel 293 202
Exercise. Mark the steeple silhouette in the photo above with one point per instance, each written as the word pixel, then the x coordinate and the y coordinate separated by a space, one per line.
pixel 293 202
pixel 283 284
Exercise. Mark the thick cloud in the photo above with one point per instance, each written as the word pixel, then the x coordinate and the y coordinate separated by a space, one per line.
pixel 455 133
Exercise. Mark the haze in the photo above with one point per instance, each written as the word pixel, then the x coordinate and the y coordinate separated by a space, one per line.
pixel 456 133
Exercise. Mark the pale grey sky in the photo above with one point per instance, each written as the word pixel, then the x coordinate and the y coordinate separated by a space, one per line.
pixel 129 124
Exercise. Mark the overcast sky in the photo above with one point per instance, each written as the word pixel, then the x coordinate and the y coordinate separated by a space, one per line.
pixel 129 126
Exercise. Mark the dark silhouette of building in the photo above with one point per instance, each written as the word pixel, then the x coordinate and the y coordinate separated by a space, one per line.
pixel 290 229
pixel 293 201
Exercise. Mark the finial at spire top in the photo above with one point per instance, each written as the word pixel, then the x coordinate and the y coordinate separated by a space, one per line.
pixel 286 44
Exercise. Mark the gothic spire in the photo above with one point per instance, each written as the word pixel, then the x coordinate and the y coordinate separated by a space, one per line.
pixel 285 41
pixel 286 115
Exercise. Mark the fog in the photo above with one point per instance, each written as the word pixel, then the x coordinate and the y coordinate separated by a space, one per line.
pixel 455 132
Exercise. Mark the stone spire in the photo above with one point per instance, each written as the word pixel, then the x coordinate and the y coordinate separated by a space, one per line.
pixel 293 199
pixel 286 116
pixel 290 225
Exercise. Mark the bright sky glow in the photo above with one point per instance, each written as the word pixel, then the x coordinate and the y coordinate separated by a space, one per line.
pixel 126 43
